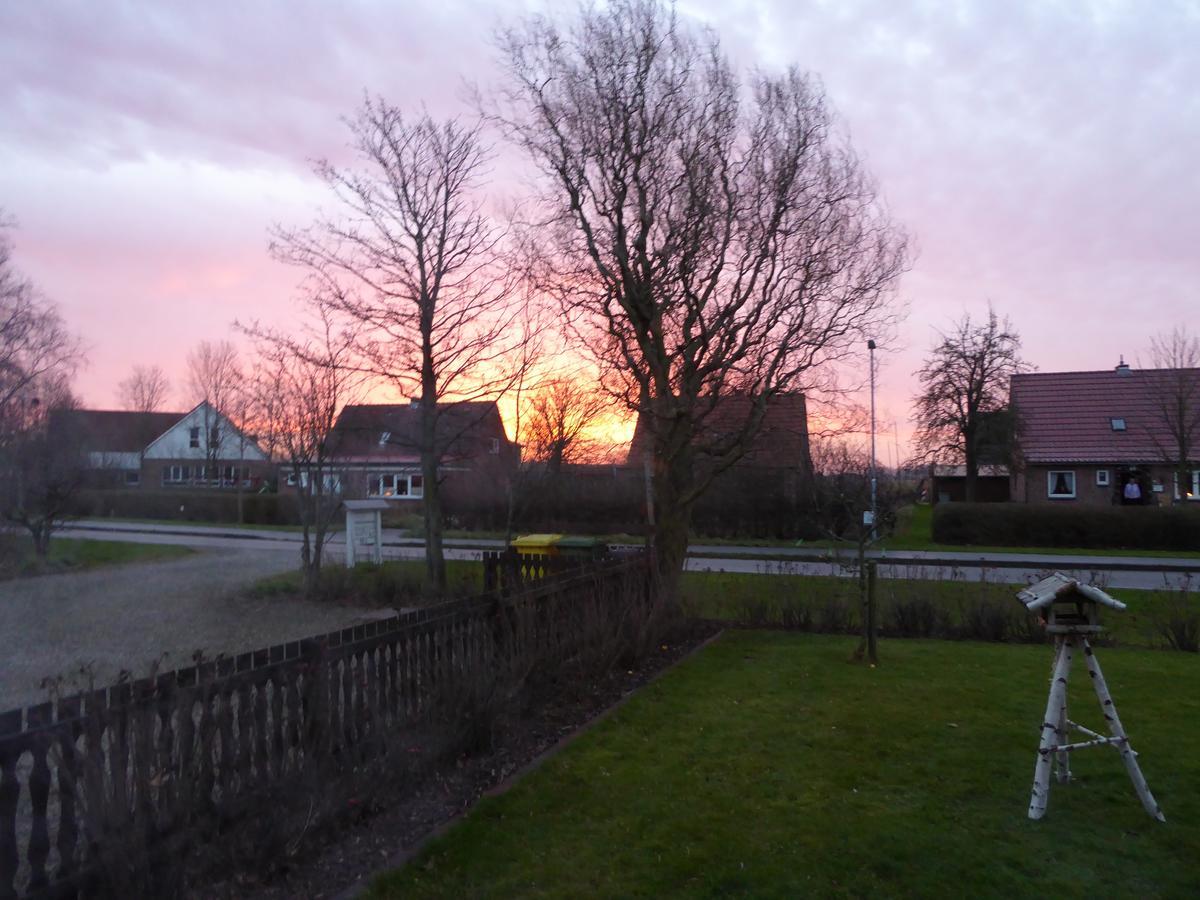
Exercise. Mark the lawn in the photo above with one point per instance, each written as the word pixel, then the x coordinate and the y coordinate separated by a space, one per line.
pixel 71 554
pixel 943 606
pixel 769 766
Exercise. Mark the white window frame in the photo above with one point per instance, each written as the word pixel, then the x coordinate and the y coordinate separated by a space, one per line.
pixel 1050 479
pixel 194 437
pixel 133 478
pixel 1103 479
pixel 1195 494
pixel 1118 423
pixel 388 485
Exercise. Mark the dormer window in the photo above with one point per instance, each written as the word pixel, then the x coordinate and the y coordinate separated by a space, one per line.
pixel 1117 424
pixel 194 437
pixel 384 438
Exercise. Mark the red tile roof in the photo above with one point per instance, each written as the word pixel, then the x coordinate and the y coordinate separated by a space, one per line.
pixel 1067 416
pixel 464 430
pixel 119 431
pixel 782 442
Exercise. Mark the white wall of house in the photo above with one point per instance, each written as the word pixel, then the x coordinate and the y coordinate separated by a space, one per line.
pixel 188 439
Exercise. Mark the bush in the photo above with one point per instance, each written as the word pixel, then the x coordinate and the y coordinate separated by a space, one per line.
pixel 1021 525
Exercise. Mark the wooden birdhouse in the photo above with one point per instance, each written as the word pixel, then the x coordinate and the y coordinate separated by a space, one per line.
pixel 1066 606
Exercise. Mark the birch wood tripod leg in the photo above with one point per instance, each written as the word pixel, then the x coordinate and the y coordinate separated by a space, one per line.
pixel 1117 730
pixel 1062 759
pixel 1058 692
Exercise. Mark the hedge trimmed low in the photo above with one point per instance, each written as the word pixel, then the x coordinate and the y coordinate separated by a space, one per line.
pixel 1107 528
pixel 187 506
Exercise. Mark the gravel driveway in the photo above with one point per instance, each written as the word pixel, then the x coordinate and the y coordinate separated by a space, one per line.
pixel 125 617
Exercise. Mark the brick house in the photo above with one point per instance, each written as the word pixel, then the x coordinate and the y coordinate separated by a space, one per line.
pixel 781 444
pixel 375 450
pixel 139 450
pixel 1084 435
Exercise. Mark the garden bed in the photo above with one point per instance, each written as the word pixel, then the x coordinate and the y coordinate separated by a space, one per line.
pixel 378 829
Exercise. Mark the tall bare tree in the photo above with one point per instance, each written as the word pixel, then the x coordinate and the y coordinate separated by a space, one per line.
pixel 34 341
pixel 557 423
pixel 417 263
pixel 1174 384
pixel 962 408
pixel 215 378
pixel 708 237
pixel 299 386
pixel 145 390
pixel 39 471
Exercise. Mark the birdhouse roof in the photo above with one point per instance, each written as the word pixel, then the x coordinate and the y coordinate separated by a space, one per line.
pixel 1060 587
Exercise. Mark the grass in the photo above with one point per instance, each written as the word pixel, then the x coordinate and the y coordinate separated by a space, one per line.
pixel 761 599
pixel 767 766
pixel 395 583
pixel 75 554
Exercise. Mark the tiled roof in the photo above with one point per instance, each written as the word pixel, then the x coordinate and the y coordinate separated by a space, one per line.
pixel 1067 416
pixel 782 442
pixel 118 431
pixel 463 429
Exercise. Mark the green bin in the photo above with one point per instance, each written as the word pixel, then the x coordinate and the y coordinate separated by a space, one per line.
pixel 591 547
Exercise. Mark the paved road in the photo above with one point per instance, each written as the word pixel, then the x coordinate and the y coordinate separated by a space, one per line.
pixel 397 539
pixel 125 617
pixel 1123 572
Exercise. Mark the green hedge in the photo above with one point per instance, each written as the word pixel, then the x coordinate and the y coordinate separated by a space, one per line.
pixel 1022 525
pixel 186 506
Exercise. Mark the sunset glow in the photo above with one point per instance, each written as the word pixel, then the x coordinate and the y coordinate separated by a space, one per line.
pixel 1041 155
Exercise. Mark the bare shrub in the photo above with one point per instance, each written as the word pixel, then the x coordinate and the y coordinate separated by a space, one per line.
pixel 918 617
pixel 1177 618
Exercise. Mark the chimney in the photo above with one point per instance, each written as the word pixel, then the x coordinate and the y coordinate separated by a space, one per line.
pixel 1123 367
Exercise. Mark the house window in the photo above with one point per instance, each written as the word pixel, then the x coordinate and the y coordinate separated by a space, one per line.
pixel 194 437
pixel 1060 485
pixel 1102 478
pixel 175 474
pixel 495 448
pixel 395 485
pixel 291 479
pixel 133 478
pixel 1194 493
pixel 1117 424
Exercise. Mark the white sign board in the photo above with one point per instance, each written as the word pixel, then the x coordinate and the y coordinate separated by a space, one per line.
pixel 364 532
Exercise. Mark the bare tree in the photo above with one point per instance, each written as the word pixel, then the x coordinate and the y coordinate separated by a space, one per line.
pixel 34 342
pixel 417 264
pixel 707 238
pixel 557 425
pixel 1175 388
pixel 962 410
pixel 215 379
pixel 145 390
pixel 42 460
pixel 299 387
pixel 39 470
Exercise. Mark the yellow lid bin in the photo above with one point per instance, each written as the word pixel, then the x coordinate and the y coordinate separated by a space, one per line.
pixel 537 544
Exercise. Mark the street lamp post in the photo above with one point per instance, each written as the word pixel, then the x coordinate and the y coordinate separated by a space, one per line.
pixel 874 510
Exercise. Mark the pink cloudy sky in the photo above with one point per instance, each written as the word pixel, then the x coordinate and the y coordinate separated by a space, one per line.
pixel 1044 155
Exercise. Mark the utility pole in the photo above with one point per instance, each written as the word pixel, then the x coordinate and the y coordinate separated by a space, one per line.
pixel 874 510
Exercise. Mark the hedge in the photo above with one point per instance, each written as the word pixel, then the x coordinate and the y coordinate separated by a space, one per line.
pixel 187 506
pixel 1023 525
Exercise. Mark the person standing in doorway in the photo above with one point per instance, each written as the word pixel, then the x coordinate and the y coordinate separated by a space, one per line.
pixel 1133 492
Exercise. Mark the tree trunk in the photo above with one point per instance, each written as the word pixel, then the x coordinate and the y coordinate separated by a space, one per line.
pixel 672 519
pixel 972 472
pixel 41 540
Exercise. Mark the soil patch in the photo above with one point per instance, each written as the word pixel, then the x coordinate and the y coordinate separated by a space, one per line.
pixel 383 830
